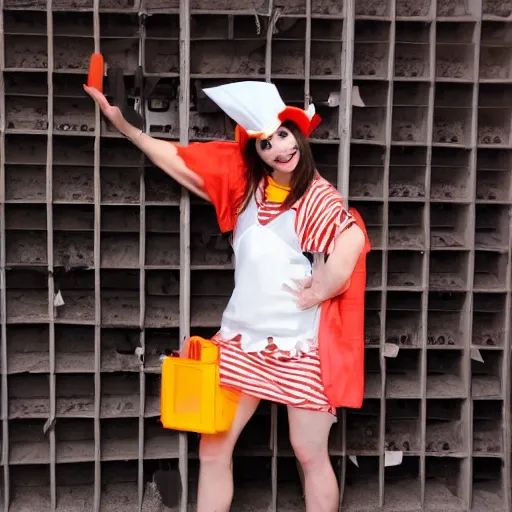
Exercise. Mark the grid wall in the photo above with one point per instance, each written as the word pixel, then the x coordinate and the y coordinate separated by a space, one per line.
pixel 106 264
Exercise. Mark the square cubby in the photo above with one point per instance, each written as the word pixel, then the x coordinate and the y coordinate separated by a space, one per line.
pixel 495 63
pixel 161 57
pixel 252 478
pixel 25 183
pixel 119 349
pixel 119 484
pixel 369 125
pixel 158 343
pixel 120 395
pixel 366 176
pixel 26 297
pixel 160 188
pixel 120 298
pixel 73 240
pixel 162 237
pixel 159 442
pixel 449 226
pixel 411 49
pixel 75 395
pixel 28 348
pixel 445 483
pixel 402 484
pixel 120 185
pixel 362 486
pixel 26 114
pixel 488 428
pixel 325 59
pixel 78 356
pixel 489 317
pixel 446 320
pixel 74 438
pixel 490 270
pixel 74 184
pixel 492 229
pixel 455 51
pixel 326 157
pixel 208 247
pixel 405 270
pixel 452 126
pixel 448 271
pixel 25 150
pixel 26 235
pixel 407 173
pixel 493 178
pixel 446 427
pixel 363 429
pixel 30 484
pixel 403 375
pixel 489 485
pixel 28 443
pixel 486 375
pixel 28 396
pixel 403 319
pixel 162 298
pixel 409 125
pixel 445 374
pixel 206 311
pixel 371 49
pixel 403 426
pixel 450 174
pixel 31 53
pixel 118 437
pixel 406 226
pixel 75 484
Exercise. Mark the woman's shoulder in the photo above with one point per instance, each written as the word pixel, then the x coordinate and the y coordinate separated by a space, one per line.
pixel 320 191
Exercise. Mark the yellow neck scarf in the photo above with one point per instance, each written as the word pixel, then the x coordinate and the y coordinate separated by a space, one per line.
pixel 275 192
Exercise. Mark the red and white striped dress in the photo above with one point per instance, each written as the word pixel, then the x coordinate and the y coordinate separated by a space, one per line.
pixel 281 376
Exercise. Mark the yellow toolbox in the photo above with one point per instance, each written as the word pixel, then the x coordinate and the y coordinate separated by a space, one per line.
pixel 191 397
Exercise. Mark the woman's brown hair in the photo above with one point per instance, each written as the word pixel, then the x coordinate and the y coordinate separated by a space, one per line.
pixel 301 178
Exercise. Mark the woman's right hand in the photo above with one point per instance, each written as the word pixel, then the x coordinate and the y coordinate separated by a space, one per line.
pixel 113 114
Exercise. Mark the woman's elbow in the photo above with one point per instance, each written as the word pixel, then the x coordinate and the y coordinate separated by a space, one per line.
pixel 354 239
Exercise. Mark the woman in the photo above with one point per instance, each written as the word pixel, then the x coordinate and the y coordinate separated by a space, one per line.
pixel 265 189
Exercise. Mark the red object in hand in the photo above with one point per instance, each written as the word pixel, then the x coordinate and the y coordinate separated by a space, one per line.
pixel 96 72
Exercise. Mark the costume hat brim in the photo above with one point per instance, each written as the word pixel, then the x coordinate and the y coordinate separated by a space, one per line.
pixel 258 109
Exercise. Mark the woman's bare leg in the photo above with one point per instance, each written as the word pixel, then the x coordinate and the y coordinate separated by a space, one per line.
pixel 215 454
pixel 309 435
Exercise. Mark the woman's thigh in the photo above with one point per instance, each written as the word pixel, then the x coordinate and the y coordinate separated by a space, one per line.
pixel 219 447
pixel 309 432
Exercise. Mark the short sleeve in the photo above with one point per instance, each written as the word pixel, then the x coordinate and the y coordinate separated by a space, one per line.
pixel 221 167
pixel 321 217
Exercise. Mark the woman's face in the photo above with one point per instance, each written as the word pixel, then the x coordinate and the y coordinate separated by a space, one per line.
pixel 279 151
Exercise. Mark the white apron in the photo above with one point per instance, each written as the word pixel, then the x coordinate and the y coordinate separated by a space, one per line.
pixel 266 258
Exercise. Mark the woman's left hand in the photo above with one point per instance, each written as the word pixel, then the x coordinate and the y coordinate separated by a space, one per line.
pixel 315 289
pixel 331 278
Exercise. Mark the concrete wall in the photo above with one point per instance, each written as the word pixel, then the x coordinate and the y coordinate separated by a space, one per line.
pixel 105 264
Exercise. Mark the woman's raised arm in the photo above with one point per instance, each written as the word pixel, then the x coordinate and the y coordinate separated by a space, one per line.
pixel 162 153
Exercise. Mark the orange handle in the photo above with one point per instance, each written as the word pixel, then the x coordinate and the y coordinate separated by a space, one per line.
pixel 96 72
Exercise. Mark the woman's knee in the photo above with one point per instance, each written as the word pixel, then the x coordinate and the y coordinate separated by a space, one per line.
pixel 218 448
pixel 309 452
pixel 215 448
pixel 309 436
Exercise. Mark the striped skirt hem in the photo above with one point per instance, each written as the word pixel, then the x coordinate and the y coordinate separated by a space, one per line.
pixel 273 375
